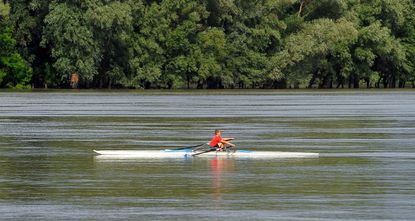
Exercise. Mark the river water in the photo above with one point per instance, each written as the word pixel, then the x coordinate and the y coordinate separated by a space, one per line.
pixel 366 139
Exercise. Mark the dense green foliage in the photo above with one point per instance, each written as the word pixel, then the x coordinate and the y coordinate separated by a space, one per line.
pixel 14 72
pixel 209 43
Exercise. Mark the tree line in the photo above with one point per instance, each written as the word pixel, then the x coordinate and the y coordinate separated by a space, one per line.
pixel 207 43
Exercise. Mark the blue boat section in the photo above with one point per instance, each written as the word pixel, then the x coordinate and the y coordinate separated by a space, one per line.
pixel 190 150
pixel 244 151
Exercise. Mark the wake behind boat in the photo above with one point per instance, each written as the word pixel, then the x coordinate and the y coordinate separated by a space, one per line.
pixel 189 152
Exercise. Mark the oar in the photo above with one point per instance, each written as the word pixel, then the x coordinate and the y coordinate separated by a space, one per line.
pixel 229 149
pixel 210 150
pixel 190 147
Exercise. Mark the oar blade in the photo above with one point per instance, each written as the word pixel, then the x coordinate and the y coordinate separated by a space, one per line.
pixel 206 151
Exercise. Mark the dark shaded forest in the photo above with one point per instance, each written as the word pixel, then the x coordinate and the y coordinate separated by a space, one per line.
pixel 207 43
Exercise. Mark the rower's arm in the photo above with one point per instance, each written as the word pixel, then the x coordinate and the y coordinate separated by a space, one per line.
pixel 226 142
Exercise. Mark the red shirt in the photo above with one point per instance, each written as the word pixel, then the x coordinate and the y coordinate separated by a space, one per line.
pixel 215 140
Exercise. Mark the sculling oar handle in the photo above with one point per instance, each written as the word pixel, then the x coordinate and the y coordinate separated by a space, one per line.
pixel 210 150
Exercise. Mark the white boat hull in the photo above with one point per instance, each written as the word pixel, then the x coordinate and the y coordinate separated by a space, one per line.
pixel 127 154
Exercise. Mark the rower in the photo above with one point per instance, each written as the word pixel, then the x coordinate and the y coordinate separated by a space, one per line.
pixel 218 142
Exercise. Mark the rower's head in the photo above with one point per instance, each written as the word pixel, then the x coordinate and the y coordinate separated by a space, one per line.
pixel 217 132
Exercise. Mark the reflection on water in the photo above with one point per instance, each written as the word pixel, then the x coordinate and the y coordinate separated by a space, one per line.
pixel 49 172
pixel 218 167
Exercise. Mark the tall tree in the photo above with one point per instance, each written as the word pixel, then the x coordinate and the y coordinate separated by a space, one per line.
pixel 110 22
pixel 164 44
pixel 71 38
pixel 379 55
pixel 14 71
pixel 310 46
pixel 252 30
pixel 26 19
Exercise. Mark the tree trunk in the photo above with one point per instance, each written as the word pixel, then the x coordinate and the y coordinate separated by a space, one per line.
pixel 377 84
pixel 393 82
pixel 402 83
pixel 301 8
pixel 101 82
pixel 310 84
pixel 356 83
pixel 340 82
pixel 323 83
pixel 199 84
pixel 296 85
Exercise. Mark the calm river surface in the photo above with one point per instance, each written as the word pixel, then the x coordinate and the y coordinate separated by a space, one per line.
pixel 366 171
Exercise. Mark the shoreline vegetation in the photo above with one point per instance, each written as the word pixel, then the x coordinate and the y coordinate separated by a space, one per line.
pixel 236 91
pixel 207 44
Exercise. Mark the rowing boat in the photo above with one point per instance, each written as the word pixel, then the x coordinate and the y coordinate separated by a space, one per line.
pixel 182 153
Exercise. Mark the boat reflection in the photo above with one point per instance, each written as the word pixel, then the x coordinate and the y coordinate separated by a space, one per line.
pixel 219 168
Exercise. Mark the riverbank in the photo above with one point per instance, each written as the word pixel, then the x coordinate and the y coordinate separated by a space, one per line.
pixel 205 91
